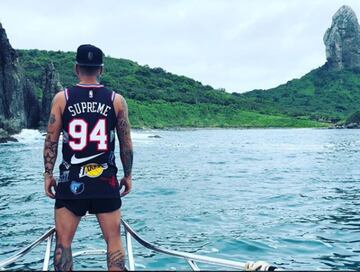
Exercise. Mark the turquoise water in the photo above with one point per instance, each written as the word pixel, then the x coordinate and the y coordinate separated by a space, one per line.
pixel 290 197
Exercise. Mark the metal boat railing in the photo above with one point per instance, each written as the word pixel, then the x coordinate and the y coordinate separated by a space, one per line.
pixel 46 236
pixel 190 258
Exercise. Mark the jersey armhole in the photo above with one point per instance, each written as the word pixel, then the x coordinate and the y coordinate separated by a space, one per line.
pixel 113 96
pixel 66 92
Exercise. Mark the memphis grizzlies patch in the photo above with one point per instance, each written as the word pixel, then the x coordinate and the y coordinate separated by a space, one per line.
pixel 77 187
pixel 64 176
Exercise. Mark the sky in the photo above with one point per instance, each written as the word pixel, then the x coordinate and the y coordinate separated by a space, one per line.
pixel 239 45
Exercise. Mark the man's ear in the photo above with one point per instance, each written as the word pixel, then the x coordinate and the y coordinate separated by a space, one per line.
pixel 101 70
pixel 76 69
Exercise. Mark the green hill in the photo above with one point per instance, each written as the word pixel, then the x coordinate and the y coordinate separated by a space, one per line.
pixel 157 98
pixel 322 94
pixel 132 80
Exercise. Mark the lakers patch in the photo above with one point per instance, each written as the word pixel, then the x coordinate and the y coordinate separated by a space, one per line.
pixel 92 170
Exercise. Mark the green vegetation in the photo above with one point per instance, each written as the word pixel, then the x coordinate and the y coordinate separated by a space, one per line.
pixel 162 114
pixel 160 99
pixel 319 95
pixel 128 78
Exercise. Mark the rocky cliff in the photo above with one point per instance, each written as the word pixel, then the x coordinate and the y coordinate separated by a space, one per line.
pixel 19 105
pixel 12 113
pixel 31 105
pixel 51 85
pixel 342 40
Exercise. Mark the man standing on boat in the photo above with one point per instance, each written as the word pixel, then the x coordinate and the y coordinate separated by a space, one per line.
pixel 88 115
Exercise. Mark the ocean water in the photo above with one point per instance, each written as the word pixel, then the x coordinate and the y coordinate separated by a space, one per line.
pixel 290 197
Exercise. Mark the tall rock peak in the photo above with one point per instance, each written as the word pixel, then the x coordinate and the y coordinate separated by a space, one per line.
pixel 344 14
pixel 342 40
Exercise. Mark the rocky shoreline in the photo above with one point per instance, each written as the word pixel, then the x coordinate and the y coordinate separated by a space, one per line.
pixel 5 137
pixel 346 126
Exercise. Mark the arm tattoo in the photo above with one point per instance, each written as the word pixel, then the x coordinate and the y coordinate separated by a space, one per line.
pixel 52 119
pixel 62 258
pixel 127 156
pixel 123 130
pixel 116 259
pixel 50 153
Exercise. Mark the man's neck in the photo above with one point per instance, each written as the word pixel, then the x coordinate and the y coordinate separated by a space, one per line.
pixel 88 80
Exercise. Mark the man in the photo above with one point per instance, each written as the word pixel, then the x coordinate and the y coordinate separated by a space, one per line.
pixel 88 115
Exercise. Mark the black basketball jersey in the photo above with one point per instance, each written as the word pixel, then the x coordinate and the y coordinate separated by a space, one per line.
pixel 88 169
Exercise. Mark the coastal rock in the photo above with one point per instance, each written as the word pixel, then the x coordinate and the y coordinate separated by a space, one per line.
pixel 3 134
pixel 342 40
pixel 154 136
pixel 352 125
pixel 352 122
pixel 11 92
pixel 17 99
pixel 51 85
pixel 31 105
pixel 4 137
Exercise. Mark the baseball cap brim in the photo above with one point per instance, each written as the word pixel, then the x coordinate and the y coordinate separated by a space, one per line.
pixel 88 64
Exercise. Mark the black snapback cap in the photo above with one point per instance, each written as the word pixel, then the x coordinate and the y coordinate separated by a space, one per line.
pixel 89 55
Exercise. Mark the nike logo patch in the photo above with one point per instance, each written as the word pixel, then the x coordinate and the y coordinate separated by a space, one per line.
pixel 75 160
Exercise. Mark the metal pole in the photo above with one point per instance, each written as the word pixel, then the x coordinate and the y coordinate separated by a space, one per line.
pixel 47 253
pixel 129 251
pixel 89 252
pixel 25 250
pixel 191 256
pixel 193 265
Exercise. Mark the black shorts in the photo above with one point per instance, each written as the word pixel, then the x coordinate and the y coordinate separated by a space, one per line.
pixel 96 205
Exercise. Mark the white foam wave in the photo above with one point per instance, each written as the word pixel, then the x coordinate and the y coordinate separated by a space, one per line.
pixel 144 137
pixel 32 135
pixel 28 135
pixel 135 135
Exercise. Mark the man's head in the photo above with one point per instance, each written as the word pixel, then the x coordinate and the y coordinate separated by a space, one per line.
pixel 89 61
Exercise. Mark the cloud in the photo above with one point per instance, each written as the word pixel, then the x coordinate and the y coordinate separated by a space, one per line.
pixel 237 45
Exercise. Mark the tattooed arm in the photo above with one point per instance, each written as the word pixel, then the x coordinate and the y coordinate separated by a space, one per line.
pixel 123 132
pixel 51 142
